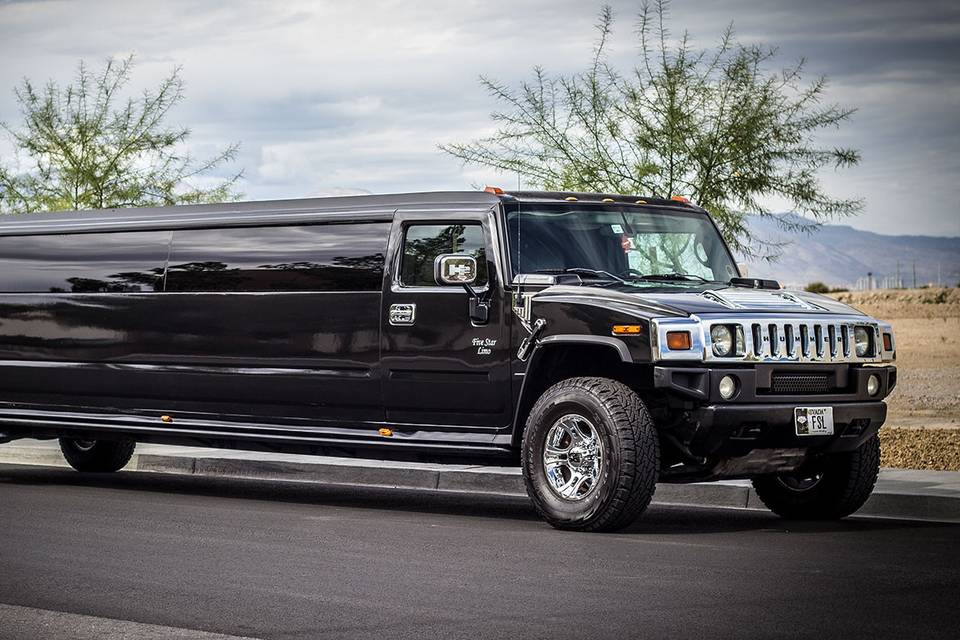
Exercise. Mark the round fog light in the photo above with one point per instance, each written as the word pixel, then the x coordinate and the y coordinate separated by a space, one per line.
pixel 728 387
pixel 873 384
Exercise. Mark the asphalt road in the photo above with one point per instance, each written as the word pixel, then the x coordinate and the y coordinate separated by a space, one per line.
pixel 135 555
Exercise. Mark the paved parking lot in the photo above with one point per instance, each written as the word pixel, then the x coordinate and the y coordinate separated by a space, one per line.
pixel 151 555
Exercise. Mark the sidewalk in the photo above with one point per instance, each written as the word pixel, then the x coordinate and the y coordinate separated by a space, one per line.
pixel 914 495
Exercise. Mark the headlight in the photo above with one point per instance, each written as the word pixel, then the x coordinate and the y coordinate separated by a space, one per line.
pixel 722 339
pixel 861 337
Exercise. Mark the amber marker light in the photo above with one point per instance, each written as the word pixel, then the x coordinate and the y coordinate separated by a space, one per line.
pixel 678 340
pixel 626 329
pixel 571 198
pixel 497 191
pixel 887 342
pixel 386 433
pixel 166 419
pixel 679 199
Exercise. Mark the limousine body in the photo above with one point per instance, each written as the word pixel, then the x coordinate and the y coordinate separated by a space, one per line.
pixel 603 342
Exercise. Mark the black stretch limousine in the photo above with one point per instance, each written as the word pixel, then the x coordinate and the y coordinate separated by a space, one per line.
pixel 604 342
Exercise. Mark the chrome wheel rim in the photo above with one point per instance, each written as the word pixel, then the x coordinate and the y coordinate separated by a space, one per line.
pixel 84 445
pixel 573 457
pixel 799 483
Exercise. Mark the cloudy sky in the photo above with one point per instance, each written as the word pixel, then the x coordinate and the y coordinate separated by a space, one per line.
pixel 331 97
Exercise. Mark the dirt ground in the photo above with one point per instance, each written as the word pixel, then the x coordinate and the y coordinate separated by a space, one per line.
pixel 923 423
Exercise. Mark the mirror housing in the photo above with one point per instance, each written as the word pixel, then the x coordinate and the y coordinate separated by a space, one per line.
pixel 455 269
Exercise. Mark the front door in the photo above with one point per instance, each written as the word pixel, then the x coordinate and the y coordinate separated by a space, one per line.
pixel 443 369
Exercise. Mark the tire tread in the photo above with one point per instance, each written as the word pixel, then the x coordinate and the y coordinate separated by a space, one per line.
pixel 640 454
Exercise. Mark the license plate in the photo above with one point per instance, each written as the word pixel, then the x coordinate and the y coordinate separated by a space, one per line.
pixel 813 421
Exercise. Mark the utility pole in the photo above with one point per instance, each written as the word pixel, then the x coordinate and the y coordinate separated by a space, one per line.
pixel 869 280
pixel 914 274
pixel 898 285
pixel 938 275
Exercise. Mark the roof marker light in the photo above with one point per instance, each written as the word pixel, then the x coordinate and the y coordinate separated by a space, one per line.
pixel 679 199
pixel 497 191
pixel 571 199
pixel 640 202
pixel 608 200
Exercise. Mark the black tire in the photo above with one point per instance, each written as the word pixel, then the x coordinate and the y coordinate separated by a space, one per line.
pixel 630 454
pixel 97 456
pixel 840 484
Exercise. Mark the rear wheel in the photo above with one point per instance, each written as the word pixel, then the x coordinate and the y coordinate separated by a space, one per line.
pixel 835 487
pixel 590 455
pixel 99 456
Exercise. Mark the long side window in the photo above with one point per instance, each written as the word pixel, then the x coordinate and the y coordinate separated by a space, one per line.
pixel 323 257
pixel 424 242
pixel 121 262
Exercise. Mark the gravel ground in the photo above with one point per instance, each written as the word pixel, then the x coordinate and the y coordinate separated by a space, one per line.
pixel 935 449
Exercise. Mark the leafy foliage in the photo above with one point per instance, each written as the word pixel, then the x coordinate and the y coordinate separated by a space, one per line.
pixel 714 126
pixel 84 147
pixel 817 287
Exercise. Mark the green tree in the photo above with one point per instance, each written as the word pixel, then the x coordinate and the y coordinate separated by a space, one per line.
pixel 84 146
pixel 817 287
pixel 715 126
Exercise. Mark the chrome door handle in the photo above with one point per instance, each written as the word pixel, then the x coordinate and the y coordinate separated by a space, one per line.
pixel 403 314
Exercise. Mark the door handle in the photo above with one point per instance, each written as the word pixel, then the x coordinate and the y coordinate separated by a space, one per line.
pixel 403 314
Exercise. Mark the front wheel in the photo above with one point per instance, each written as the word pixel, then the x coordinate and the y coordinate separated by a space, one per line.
pixel 835 487
pixel 98 456
pixel 591 456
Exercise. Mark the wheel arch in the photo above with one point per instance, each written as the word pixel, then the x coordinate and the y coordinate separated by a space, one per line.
pixel 558 357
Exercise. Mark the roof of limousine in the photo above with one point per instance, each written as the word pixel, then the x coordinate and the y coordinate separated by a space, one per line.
pixel 345 208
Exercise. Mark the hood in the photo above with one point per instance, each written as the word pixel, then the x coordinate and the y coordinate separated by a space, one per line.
pixel 683 302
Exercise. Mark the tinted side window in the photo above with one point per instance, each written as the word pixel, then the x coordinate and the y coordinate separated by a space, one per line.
pixel 325 257
pixel 424 242
pixel 84 262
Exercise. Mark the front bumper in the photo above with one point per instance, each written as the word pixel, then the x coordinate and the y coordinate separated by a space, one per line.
pixel 734 430
pixel 758 419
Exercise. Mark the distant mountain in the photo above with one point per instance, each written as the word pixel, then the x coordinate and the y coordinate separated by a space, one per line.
pixel 841 256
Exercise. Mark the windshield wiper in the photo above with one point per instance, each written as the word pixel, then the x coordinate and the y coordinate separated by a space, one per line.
pixel 673 276
pixel 600 273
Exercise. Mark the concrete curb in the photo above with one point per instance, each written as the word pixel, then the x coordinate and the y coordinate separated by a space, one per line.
pixel 505 481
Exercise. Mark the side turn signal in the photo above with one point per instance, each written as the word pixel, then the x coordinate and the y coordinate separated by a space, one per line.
pixel 626 329
pixel 678 340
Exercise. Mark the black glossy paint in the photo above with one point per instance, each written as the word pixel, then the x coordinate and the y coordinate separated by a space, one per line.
pixel 265 325
pixel 445 369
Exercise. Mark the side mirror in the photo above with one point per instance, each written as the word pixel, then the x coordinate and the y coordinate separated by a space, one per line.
pixel 455 269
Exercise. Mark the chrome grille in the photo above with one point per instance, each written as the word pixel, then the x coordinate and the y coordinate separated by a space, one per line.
pixel 801 340
pixel 820 338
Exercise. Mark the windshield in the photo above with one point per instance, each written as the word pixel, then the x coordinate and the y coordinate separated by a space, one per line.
pixel 639 245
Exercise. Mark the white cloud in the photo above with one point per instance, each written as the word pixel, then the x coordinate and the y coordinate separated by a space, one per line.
pixel 330 96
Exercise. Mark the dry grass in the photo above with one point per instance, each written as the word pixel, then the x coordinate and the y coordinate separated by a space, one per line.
pixel 923 422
